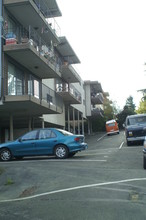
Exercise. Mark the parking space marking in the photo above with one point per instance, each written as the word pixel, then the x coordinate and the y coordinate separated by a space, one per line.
pixel 121 145
pixel 101 137
pixel 101 149
pixel 71 189
pixel 55 160
pixel 93 154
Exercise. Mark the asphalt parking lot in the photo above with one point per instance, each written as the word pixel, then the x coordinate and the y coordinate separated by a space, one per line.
pixel 107 175
pixel 18 176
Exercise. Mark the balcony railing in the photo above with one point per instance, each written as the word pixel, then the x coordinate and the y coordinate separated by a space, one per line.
pixel 97 98
pixel 48 15
pixel 20 35
pixel 51 97
pixel 65 87
pixel 97 111
pixel 38 90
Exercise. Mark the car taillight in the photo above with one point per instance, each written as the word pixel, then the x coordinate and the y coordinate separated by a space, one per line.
pixel 77 139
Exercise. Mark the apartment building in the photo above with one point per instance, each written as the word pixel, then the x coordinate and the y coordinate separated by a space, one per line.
pixel 39 87
pixel 93 102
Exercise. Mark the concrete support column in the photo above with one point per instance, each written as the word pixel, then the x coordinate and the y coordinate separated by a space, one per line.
pixel 91 127
pixel 29 124
pixel 11 128
pixel 82 125
pixel 74 131
pixel 43 123
pixel 68 118
pixel 78 122
pixel 89 131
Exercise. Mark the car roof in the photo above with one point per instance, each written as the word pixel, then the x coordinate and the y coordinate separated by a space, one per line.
pixel 110 121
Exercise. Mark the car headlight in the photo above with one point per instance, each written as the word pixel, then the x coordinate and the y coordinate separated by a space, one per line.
pixel 144 144
pixel 130 133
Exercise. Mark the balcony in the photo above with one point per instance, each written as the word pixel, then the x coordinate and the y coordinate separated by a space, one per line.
pixel 35 100
pixel 97 112
pixel 48 8
pixel 69 93
pixel 69 74
pixel 66 51
pixel 97 98
pixel 32 52
pixel 36 13
pixel 95 86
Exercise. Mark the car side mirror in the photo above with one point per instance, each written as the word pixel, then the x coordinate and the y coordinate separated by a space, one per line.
pixel 124 125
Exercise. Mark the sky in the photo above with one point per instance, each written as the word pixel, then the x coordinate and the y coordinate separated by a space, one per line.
pixel 109 38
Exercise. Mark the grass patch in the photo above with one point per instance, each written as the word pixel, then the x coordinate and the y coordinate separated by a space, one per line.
pixel 9 182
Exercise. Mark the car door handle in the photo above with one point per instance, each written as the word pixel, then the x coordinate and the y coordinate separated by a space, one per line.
pixel 55 140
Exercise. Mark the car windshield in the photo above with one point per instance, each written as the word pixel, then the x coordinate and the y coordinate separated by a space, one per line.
pixel 111 124
pixel 137 120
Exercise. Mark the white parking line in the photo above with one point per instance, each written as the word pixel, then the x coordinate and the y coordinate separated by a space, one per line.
pixel 72 188
pixel 121 145
pixel 55 160
pixel 101 137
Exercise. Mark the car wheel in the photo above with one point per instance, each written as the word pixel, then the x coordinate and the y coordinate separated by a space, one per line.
pixel 5 154
pixel 128 143
pixel 61 152
pixel 144 162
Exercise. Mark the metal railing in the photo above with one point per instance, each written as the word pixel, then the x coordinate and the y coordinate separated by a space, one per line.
pixel 48 15
pixel 38 90
pixel 65 87
pixel 51 97
pixel 21 35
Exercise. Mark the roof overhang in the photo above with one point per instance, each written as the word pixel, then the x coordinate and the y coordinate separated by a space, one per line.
pixel 53 8
pixel 95 86
pixel 66 51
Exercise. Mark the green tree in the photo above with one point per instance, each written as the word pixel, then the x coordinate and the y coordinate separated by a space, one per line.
pixel 130 104
pixel 142 105
pixel 108 109
pixel 129 109
pixel 98 123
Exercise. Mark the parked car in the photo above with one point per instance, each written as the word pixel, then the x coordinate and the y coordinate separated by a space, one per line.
pixel 144 154
pixel 135 128
pixel 48 141
pixel 112 127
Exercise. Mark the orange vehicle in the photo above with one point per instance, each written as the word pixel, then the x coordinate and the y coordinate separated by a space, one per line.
pixel 112 127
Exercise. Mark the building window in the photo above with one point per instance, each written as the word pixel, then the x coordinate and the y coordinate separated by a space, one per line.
pixel 34 87
pixel 15 80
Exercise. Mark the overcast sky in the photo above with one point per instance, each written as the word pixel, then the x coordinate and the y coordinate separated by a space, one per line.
pixel 109 38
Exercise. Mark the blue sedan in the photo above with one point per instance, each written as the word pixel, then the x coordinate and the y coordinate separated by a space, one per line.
pixel 47 141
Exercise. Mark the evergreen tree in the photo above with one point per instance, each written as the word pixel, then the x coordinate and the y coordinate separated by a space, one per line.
pixel 130 104
pixel 129 109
